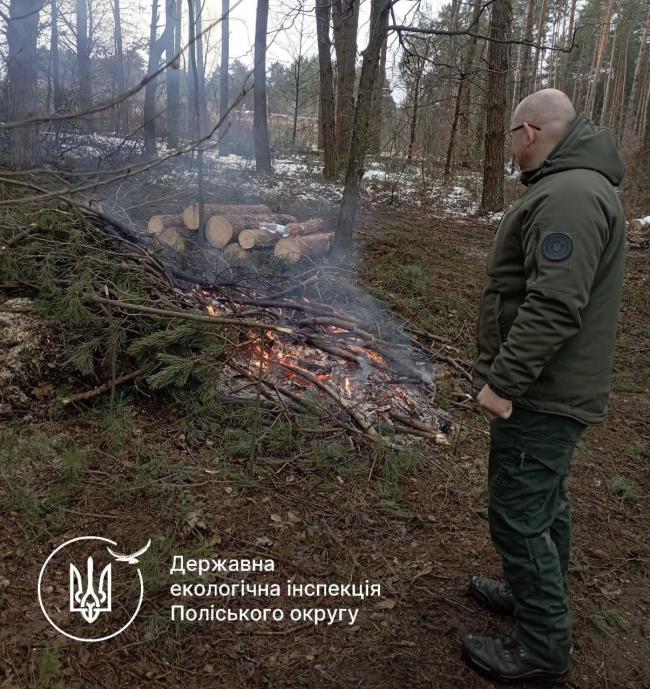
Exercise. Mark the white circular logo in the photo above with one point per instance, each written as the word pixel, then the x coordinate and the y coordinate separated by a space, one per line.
pixel 79 583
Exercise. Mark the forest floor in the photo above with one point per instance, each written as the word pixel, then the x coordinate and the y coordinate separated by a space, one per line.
pixel 418 528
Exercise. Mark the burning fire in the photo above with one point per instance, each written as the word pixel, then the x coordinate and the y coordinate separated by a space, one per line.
pixel 356 374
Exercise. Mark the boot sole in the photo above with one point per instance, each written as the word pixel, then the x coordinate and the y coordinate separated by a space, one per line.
pixel 536 675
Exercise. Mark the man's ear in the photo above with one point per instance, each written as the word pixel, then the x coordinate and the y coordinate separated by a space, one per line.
pixel 531 134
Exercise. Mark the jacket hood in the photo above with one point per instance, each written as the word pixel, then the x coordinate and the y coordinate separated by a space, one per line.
pixel 585 146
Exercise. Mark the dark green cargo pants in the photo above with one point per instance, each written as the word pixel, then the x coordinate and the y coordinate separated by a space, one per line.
pixel 530 523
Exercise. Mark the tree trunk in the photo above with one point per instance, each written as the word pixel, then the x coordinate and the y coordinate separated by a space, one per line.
pixel 465 87
pixel 551 81
pixel 326 91
pixel 416 100
pixel 377 107
pixel 158 223
pixel 56 68
pixel 449 161
pixel 541 33
pixel 500 21
pixel 569 39
pixel 641 117
pixel 296 105
pixel 221 230
pixel 631 103
pixel 521 85
pixel 224 90
pixel 645 155
pixel 346 20
pixel 198 125
pixel 260 118
pixel 462 97
pixel 149 108
pixel 379 10
pixel 172 17
pixel 618 111
pixel 83 55
pixel 22 34
pixel 200 64
pixel 191 213
pixel 257 239
pixel 299 229
pixel 312 246
pixel 523 59
pixel 604 113
pixel 479 139
pixel 599 51
pixel 118 76
pixel 577 81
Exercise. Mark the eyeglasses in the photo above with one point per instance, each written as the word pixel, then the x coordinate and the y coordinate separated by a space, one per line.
pixel 521 126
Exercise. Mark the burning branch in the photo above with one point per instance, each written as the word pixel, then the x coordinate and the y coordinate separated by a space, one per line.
pixel 350 408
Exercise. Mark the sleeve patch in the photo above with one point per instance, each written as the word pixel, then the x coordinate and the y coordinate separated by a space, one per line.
pixel 557 247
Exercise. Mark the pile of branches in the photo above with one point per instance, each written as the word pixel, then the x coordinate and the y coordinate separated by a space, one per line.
pixel 126 319
pixel 77 270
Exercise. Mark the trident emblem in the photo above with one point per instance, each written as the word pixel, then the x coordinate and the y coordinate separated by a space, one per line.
pixel 90 602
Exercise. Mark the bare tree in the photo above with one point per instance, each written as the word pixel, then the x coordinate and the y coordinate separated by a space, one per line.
pixel 569 36
pixel 496 106
pixel 461 111
pixel 326 119
pixel 640 61
pixel 465 87
pixel 379 10
pixel 260 117
pixel 198 125
pixel 346 20
pixel 541 33
pixel 149 111
pixel 224 91
pixel 156 48
pixel 417 62
pixel 645 151
pixel 200 60
pixel 605 110
pixel 172 47
pixel 296 76
pixel 599 52
pixel 22 34
pixel 521 85
pixel 55 69
pixel 119 80
pixel 83 55
pixel 374 136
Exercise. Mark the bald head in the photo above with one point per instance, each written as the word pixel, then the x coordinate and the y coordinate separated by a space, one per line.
pixel 548 108
pixel 550 113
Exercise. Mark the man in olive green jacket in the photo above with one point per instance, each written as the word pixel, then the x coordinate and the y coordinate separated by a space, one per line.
pixel 546 337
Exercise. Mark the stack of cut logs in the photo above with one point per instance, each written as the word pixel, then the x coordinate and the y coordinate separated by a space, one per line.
pixel 239 229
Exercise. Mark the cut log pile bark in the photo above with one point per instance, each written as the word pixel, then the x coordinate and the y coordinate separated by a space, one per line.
pixel 238 229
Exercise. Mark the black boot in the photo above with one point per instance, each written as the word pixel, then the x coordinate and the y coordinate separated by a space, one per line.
pixel 504 659
pixel 492 594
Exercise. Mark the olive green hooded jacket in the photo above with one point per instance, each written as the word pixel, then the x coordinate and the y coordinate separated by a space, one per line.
pixel 549 311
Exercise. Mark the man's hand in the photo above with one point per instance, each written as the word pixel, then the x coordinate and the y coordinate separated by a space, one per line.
pixel 492 406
